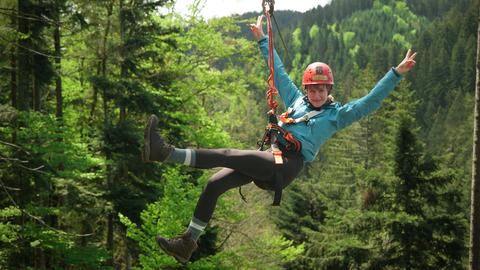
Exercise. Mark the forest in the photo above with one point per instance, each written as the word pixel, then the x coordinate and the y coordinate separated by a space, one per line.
pixel 79 78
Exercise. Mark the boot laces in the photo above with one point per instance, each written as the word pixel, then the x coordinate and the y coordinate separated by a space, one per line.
pixel 177 240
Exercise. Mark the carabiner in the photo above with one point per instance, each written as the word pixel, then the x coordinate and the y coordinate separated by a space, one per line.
pixel 268 3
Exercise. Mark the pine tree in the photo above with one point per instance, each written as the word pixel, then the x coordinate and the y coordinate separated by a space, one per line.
pixel 425 195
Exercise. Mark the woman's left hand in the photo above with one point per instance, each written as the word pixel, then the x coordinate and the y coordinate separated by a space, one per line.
pixel 407 63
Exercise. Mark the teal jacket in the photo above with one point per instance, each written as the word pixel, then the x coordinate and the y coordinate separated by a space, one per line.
pixel 320 128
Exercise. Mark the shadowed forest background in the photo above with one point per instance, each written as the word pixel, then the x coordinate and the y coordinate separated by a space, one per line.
pixel 79 78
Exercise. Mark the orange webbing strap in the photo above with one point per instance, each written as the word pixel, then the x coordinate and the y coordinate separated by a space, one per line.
pixel 272 90
pixel 293 143
pixel 284 117
pixel 277 154
pixel 297 145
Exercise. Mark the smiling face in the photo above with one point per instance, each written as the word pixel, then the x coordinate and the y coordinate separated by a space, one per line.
pixel 317 94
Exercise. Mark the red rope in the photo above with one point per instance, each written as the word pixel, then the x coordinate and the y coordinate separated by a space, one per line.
pixel 272 90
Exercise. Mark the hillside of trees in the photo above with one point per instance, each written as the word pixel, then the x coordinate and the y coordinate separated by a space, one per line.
pixel 79 78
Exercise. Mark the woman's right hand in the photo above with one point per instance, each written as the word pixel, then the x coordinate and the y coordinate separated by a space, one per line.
pixel 257 28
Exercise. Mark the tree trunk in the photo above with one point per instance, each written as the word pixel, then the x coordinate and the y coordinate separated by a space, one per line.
pixel 24 67
pixel 95 95
pixel 474 259
pixel 123 66
pixel 58 76
pixel 13 81
pixel 110 229
pixel 13 77
pixel 36 91
pixel 42 260
pixel 106 122
pixel 58 55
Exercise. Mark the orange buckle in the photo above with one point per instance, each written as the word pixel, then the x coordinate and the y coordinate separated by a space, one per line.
pixel 277 155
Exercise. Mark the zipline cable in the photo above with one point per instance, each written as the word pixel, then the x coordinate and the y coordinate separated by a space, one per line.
pixel 281 38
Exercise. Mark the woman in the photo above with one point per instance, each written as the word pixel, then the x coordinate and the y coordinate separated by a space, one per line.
pixel 314 118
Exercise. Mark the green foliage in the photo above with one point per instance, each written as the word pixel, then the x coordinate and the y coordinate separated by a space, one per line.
pixel 9 233
pixel 41 136
pixel 423 191
pixel 164 217
pixel 314 30
pixel 398 38
pixel 270 251
pixel 348 39
pixel 354 51
pixel 296 35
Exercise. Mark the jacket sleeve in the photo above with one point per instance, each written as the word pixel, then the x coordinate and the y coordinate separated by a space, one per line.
pixel 288 91
pixel 355 110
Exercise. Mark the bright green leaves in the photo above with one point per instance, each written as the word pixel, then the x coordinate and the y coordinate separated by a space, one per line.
pixel 169 216
pixel 314 30
pixel 348 39
pixel 400 39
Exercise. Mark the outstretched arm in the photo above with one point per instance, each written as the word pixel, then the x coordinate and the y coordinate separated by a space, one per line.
pixel 355 110
pixel 287 89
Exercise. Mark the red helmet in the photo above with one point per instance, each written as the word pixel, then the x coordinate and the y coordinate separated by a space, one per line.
pixel 317 73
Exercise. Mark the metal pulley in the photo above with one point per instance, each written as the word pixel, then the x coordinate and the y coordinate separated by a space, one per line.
pixel 267 6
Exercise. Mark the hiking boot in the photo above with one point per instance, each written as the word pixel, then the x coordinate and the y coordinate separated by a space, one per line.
pixel 180 247
pixel 155 148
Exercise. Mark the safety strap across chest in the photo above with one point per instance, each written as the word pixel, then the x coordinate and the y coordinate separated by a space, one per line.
pixel 284 117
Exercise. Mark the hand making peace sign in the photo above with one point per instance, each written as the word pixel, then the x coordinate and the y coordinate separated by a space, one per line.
pixel 407 63
pixel 257 28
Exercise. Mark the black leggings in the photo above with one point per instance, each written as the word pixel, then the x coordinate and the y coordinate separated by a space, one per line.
pixel 240 168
